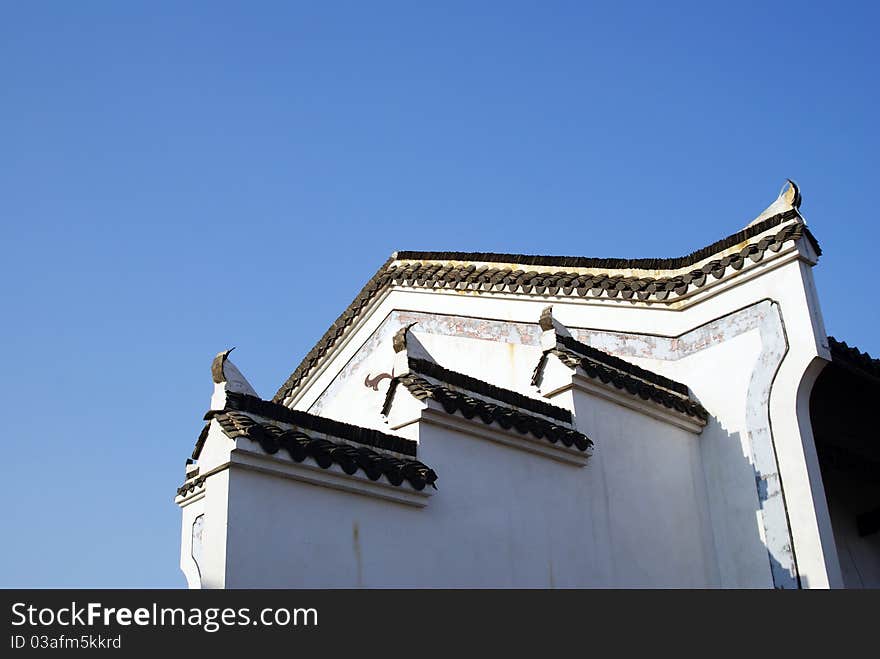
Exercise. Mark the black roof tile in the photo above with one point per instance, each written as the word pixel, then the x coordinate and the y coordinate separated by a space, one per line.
pixel 460 380
pixel 453 400
pixel 427 272
pixel 326 452
pixel 612 263
pixel 623 375
pixel 366 436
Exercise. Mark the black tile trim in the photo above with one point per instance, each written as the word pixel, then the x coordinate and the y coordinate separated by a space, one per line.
pixel 624 381
pixel 455 379
pixel 645 289
pixel 613 263
pixel 469 407
pixel 200 442
pixel 299 446
pixel 366 436
pixel 332 335
pixel 438 274
pixel 619 364
pixel 191 486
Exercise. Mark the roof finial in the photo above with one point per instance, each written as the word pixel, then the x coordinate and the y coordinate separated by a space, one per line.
pixel 792 194
pixel 217 374
pixel 399 340
pixel 789 199
pixel 227 378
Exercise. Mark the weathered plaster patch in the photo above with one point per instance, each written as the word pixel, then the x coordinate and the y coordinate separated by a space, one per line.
pixel 458 326
pixel 766 318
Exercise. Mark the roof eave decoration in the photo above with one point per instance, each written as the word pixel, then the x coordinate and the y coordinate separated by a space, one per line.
pixel 649 281
pixel 472 398
pixel 301 435
pixel 613 371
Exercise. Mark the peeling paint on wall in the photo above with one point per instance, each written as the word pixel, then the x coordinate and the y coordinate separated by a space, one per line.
pixel 766 318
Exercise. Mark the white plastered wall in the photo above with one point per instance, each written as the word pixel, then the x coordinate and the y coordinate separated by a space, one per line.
pixel 714 372
pixel 503 517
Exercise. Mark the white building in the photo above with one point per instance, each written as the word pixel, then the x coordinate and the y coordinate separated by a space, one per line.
pixel 501 420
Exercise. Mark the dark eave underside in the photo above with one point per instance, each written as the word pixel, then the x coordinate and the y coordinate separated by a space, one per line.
pixel 854 359
pixel 842 412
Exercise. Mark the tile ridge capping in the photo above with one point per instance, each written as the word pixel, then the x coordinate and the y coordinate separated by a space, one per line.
pixel 668 266
pixel 325 451
pixel 611 370
pixel 643 286
pixel 386 275
pixel 456 400
pixel 628 368
pixel 557 336
pixel 270 411
pixel 482 390
pixel 624 382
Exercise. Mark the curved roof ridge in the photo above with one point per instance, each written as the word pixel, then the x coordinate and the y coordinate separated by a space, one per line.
pixel 673 263
pixel 637 288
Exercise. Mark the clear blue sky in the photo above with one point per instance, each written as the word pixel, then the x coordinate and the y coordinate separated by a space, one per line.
pixel 177 178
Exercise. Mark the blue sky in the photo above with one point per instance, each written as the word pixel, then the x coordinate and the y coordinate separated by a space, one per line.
pixel 178 178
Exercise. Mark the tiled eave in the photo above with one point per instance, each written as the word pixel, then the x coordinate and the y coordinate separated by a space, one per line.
pixel 647 281
pixel 655 286
pixel 274 438
pixel 485 390
pixel 455 401
pixel 626 381
pixel 310 422
pixel 191 486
